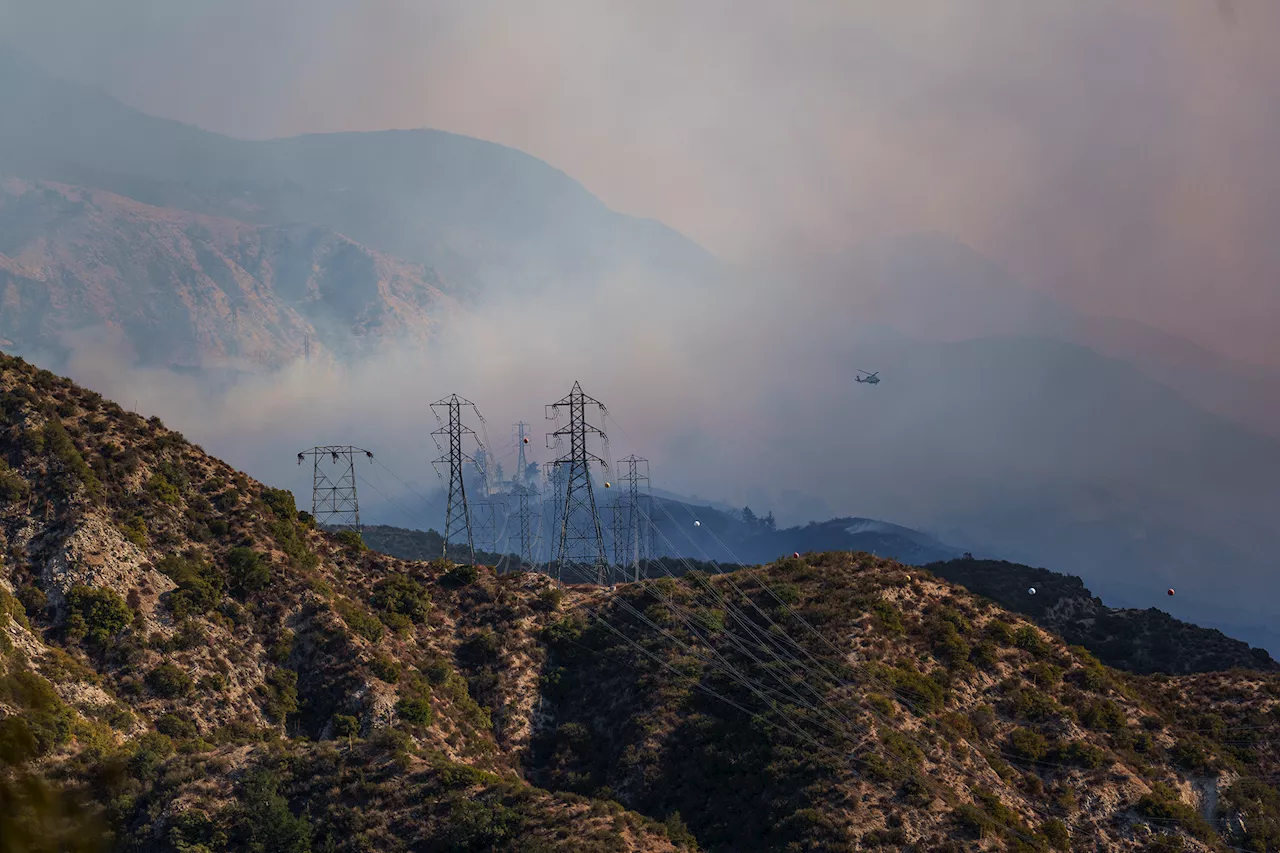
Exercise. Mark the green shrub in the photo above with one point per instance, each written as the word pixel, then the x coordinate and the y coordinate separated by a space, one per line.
pixel 1056 832
pixel 17 743
pixel 200 585
pixel 1191 752
pixel 246 570
pixel 263 821
pixel 148 751
pixel 176 726
pixel 918 692
pixel 352 540
pixel 415 711
pixel 1028 744
pixel 135 531
pixel 97 613
pixel 984 654
pixel 711 620
pixel 1028 639
pixel 345 726
pixel 461 575
pixel 1000 632
pixel 970 820
pixel 403 595
pixel 281 503
pixel 279 694
pixel 168 681
pixel 12 487
pixel 59 443
pixel 1082 754
pixel 1162 804
pixel 33 600
pixel 360 620
pixel 162 490
pixel 1103 715
pixel 386 669
pixel 551 597
pixel 887 618
pixel 437 672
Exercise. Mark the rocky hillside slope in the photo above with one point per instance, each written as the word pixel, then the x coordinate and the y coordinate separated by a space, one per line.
pixel 198 668
pixel 184 290
pixel 1141 641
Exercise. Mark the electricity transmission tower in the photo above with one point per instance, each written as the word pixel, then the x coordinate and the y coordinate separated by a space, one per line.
pixel 637 535
pixel 617 533
pixel 525 519
pixel 485 515
pixel 333 486
pixel 457 517
pixel 581 541
pixel 522 463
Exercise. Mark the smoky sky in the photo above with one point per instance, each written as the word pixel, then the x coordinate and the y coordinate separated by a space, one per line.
pixel 1115 153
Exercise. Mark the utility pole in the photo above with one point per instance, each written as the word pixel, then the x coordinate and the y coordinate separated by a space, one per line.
pixel 457 518
pixel 637 525
pixel 581 540
pixel 334 502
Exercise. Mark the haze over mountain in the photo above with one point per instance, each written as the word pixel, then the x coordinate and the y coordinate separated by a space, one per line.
pixel 191 291
pixel 481 215
pixel 997 428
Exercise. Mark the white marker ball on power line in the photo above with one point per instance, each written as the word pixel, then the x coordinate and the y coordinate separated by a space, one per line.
pixel 1031 591
pixel 697 524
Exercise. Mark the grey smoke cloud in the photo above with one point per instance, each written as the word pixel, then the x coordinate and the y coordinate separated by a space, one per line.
pixel 1116 154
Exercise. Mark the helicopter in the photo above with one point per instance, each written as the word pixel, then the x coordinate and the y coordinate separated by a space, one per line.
pixel 870 378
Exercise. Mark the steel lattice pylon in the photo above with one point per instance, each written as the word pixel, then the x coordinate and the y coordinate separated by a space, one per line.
pixel 580 548
pixel 485 514
pixel 525 517
pixel 334 502
pixel 555 485
pixel 617 516
pixel 457 519
pixel 637 524
pixel 522 462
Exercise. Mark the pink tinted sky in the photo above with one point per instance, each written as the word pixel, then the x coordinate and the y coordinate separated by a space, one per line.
pixel 1117 153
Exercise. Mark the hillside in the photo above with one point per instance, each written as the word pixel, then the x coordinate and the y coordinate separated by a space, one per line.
pixel 184 290
pixel 183 647
pixel 1141 641
pixel 185 654
pixel 486 218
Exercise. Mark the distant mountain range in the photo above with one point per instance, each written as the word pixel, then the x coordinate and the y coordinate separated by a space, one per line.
pixel 115 202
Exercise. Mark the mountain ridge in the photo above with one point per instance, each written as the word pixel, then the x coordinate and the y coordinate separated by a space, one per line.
pixel 483 214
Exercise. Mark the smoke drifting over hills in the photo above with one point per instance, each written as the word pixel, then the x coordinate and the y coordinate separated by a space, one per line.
pixel 1112 158
pixel 1116 154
